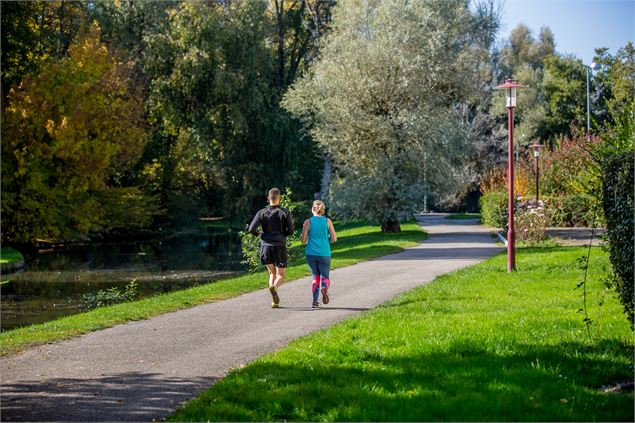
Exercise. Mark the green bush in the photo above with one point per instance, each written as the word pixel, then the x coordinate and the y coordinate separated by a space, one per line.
pixel 494 209
pixel 301 212
pixel 617 202
pixel 576 210
pixel 110 296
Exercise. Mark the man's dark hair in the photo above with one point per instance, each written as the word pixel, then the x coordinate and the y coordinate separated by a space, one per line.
pixel 274 193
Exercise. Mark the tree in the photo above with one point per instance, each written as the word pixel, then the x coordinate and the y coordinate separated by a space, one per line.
pixel 222 139
pixel 391 91
pixel 69 133
pixel 34 32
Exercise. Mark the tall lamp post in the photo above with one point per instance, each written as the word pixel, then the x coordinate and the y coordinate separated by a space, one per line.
pixel 510 86
pixel 536 147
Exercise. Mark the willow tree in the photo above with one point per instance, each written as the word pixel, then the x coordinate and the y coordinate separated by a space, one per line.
pixel 387 101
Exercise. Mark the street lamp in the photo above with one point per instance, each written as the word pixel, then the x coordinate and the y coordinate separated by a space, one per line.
pixel 594 66
pixel 536 147
pixel 510 86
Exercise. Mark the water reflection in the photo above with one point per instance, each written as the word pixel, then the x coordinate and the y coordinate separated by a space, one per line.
pixel 55 279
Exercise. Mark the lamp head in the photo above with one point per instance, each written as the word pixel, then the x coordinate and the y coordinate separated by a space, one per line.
pixel 536 147
pixel 510 86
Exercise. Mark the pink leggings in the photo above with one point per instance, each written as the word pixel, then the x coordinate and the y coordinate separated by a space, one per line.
pixel 315 286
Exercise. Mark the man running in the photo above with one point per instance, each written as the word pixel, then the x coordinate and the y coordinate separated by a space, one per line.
pixel 277 225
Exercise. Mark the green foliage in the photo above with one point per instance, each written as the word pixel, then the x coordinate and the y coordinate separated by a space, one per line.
pixel 494 209
pixel 36 32
pixel 357 241
pixel 69 134
pixel 222 138
pixel 10 255
pixel 479 344
pixel 616 160
pixel 384 98
pixel 577 210
pixel 618 209
pixel 110 296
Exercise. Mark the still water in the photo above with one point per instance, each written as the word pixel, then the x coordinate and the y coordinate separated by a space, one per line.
pixel 54 280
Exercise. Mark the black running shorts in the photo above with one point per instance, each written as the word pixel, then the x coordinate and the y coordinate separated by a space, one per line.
pixel 274 254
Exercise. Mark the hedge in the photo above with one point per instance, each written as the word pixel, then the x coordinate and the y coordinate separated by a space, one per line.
pixel 576 210
pixel 617 202
pixel 494 209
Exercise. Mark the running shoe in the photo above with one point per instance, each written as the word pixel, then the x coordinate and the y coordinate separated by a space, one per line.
pixel 274 294
pixel 325 295
pixel 315 305
pixel 274 305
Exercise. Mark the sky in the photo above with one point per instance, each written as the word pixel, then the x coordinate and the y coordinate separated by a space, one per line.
pixel 579 26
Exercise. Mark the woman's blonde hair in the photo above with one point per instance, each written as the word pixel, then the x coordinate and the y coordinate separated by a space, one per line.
pixel 318 207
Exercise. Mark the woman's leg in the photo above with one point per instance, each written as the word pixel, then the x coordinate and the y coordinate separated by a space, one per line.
pixel 325 269
pixel 315 271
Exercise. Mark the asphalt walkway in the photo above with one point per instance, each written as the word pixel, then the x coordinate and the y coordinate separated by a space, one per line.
pixel 143 370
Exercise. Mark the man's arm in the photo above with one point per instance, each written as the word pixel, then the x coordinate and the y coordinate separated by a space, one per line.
pixel 290 228
pixel 253 227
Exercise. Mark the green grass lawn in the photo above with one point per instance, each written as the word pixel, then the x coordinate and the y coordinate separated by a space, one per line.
pixel 461 216
pixel 478 344
pixel 8 255
pixel 357 241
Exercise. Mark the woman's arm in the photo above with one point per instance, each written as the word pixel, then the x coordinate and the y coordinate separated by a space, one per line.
pixel 305 231
pixel 331 230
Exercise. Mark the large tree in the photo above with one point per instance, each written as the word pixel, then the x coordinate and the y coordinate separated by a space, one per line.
pixel 219 73
pixel 389 101
pixel 68 134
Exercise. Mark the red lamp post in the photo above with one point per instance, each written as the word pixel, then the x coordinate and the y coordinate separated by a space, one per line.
pixel 510 86
pixel 536 147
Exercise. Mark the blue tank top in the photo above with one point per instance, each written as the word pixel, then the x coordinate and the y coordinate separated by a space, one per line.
pixel 318 242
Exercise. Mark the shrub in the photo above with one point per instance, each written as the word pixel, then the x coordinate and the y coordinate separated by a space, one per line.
pixel 576 210
pixel 615 164
pixel 530 221
pixel 110 296
pixel 494 209
pixel 617 197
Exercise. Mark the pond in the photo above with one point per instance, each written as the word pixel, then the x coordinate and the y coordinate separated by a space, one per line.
pixel 55 279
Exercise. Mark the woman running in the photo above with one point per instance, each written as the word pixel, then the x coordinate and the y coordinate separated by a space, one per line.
pixel 317 231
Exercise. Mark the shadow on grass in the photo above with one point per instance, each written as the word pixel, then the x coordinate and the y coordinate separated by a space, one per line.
pixel 134 396
pixel 465 383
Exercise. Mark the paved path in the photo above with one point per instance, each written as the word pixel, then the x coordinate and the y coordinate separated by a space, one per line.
pixel 143 370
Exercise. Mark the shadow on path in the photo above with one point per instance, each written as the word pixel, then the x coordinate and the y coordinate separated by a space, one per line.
pixel 132 396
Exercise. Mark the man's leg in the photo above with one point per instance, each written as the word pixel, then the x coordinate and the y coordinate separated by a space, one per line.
pixel 272 273
pixel 280 272
pixel 272 288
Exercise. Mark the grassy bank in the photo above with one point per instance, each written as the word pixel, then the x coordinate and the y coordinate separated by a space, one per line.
pixel 478 344
pixel 357 241
pixel 10 256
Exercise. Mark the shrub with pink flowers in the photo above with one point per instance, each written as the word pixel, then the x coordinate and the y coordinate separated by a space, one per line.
pixel 530 220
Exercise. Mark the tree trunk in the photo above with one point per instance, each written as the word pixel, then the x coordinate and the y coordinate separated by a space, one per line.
pixel 391 226
pixel 326 177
